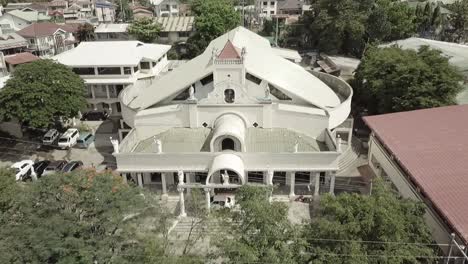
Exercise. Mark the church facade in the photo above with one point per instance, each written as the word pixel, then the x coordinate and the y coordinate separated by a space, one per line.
pixel 237 114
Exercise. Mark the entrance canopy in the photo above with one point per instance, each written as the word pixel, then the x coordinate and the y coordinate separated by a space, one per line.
pixel 227 161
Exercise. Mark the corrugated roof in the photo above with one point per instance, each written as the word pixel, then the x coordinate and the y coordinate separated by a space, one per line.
pixel 44 29
pixel 30 16
pixel 20 58
pixel 176 23
pixel 12 40
pixel 111 28
pixel 432 146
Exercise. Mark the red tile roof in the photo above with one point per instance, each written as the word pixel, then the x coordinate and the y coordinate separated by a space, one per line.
pixel 20 58
pixel 43 29
pixel 229 52
pixel 431 145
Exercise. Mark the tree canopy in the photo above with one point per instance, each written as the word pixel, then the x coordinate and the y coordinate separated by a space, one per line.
pixel 40 91
pixel 459 19
pixel 347 222
pixel 144 29
pixel 259 232
pixel 85 32
pixel 213 18
pixel 392 80
pixel 346 26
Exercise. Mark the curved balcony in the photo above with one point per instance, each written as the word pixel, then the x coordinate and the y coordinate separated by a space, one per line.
pixel 338 114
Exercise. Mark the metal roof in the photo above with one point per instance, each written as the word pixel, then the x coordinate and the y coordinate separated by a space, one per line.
pixel 12 40
pixel 111 28
pixel 176 23
pixel 431 146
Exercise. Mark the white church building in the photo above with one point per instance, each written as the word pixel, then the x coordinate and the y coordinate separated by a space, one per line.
pixel 237 114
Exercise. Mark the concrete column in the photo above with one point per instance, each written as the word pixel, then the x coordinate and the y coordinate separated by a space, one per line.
pixel 292 179
pixel 188 176
pixel 107 91
pixel 207 199
pixel 265 177
pixel 124 178
pixel 163 183
pixel 181 202
pixel 317 184
pixel 140 179
pixel 92 90
pixel 332 183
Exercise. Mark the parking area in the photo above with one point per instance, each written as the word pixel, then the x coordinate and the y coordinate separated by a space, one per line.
pixel 31 147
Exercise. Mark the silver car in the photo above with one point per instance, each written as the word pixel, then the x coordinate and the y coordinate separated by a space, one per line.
pixel 50 137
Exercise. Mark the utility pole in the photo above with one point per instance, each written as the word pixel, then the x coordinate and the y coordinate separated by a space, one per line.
pixel 243 13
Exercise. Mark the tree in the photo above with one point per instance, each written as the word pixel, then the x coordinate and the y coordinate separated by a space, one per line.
pixel 39 92
pixel 347 26
pixel 123 11
pixel 144 29
pixel 213 18
pixel 259 232
pixel 79 217
pixel 459 19
pixel 85 32
pixel 348 222
pixel 392 80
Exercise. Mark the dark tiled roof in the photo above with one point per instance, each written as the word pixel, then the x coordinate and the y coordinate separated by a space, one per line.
pixel 431 146
pixel 20 58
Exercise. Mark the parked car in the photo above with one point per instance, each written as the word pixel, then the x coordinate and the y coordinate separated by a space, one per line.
pixel 85 140
pixel 40 166
pixel 95 116
pixel 54 166
pixel 72 165
pixel 50 137
pixel 222 200
pixel 23 169
pixel 69 138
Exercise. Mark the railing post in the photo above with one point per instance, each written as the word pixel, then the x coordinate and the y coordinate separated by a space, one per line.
pixel 449 255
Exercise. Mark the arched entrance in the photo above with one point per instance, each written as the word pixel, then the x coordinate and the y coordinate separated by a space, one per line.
pixel 227 144
pixel 226 169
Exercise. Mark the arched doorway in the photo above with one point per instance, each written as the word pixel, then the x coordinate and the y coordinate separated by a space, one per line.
pixel 227 144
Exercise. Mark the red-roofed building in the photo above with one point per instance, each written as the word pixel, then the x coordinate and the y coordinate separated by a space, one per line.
pixel 229 52
pixel 48 39
pixel 12 61
pixel 425 155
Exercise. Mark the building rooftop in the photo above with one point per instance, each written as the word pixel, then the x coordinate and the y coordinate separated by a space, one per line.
pixel 111 53
pixel 111 28
pixel 44 29
pixel 431 147
pixel 30 16
pixel 12 40
pixel 176 23
pixel 275 140
pixel 20 58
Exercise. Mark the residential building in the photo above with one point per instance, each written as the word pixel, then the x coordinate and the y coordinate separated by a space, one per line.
pixel 16 20
pixel 40 7
pixel 112 32
pixel 237 114
pixel 166 8
pixel 267 8
pixel 424 155
pixel 58 5
pixel 105 11
pixel 11 43
pixel 175 29
pixel 291 7
pixel 12 61
pixel 108 67
pixel 141 12
pixel 48 39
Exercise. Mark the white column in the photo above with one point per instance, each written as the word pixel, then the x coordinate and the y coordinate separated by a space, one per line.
pixel 332 183
pixel 181 202
pixel 140 180
pixel 317 184
pixel 92 91
pixel 188 175
pixel 265 177
pixel 207 198
pixel 107 91
pixel 292 179
pixel 124 178
pixel 163 183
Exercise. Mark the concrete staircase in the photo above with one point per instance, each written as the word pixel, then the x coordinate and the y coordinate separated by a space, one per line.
pixel 350 156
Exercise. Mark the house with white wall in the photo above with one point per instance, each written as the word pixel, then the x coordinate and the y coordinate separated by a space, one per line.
pixel 105 11
pixel 166 8
pixel 237 114
pixel 108 67
pixel 16 20
pixel 175 29
pixel 48 39
pixel 266 8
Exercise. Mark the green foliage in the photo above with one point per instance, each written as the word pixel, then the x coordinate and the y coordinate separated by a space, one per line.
pixel 259 232
pixel 144 29
pixel 459 19
pixel 381 217
pixel 213 18
pixel 123 11
pixel 86 32
pixel 346 26
pixel 40 91
pixel 79 217
pixel 393 80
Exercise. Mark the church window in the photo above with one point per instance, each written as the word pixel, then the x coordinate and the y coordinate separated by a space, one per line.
pixel 229 96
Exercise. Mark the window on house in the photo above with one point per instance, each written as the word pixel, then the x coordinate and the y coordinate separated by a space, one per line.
pixel 184 34
pixel 109 70
pixel 278 94
pixel 135 69
pixel 127 70
pixel 272 3
pixel 119 107
pixel 253 79
pixel 265 3
pixel 229 96
pixel 272 12
pixel 208 79
pixel 163 34
pixel 145 65
pixel 83 71
pixel 31 41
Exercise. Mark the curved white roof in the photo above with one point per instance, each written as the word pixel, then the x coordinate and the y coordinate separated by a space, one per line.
pixel 227 161
pixel 260 60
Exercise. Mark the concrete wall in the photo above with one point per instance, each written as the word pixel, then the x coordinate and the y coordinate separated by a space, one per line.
pixel 381 163
pixel 13 128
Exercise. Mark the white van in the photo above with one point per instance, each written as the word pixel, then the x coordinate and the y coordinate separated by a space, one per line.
pixel 69 138
pixel 226 200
